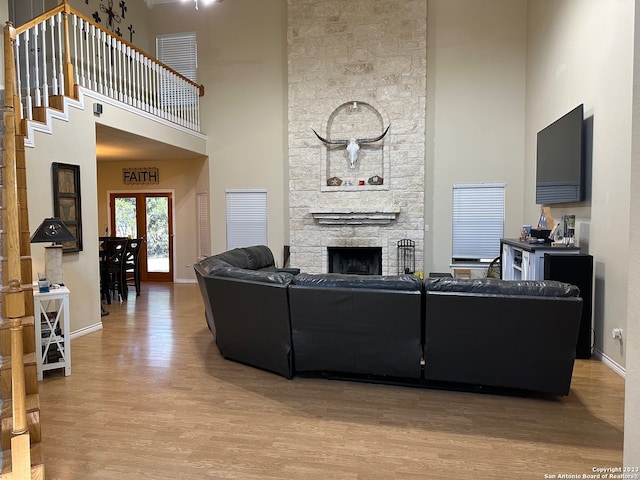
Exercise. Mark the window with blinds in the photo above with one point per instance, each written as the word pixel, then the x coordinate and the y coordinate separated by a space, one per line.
pixel 246 218
pixel 204 235
pixel 180 52
pixel 478 221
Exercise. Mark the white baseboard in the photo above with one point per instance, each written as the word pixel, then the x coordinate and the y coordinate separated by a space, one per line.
pixel 616 367
pixel 185 280
pixel 86 330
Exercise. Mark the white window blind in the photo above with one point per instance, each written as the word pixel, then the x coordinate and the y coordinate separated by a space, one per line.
pixel 478 221
pixel 204 236
pixel 180 52
pixel 246 218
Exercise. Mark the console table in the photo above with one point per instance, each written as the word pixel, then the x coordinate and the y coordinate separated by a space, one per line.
pixel 525 261
pixel 51 319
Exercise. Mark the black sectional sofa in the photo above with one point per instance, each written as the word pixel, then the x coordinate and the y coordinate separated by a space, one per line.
pixel 481 334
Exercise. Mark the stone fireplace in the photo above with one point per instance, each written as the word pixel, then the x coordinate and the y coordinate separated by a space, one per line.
pixel 352 80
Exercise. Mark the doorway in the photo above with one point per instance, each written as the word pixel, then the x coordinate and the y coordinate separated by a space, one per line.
pixel 147 215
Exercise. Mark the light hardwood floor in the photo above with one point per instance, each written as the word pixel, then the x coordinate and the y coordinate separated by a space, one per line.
pixel 150 397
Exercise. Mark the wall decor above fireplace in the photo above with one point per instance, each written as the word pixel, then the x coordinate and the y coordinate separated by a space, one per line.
pixel 356 146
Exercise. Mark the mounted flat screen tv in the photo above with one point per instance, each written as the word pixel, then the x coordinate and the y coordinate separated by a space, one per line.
pixel 560 160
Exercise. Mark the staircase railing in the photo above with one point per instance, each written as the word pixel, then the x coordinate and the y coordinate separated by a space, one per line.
pixel 62 49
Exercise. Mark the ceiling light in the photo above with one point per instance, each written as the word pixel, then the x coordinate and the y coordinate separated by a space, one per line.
pixel 204 2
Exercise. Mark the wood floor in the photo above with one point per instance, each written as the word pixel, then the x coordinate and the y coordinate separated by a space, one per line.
pixel 150 397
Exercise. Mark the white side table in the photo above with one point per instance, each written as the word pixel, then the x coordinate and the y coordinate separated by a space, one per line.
pixel 51 319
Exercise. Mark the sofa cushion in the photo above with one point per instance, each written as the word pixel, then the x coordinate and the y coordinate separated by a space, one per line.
pixel 211 263
pixel 339 280
pixel 236 258
pixel 261 276
pixel 258 257
pixel 496 286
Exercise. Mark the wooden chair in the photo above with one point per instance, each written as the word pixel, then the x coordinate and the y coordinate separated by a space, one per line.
pixel 112 269
pixel 132 264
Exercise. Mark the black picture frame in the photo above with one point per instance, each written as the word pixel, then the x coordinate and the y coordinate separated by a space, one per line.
pixel 67 202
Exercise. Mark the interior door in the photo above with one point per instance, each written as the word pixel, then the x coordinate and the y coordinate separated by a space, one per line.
pixel 147 215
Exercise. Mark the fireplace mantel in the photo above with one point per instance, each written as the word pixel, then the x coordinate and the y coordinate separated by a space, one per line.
pixel 355 216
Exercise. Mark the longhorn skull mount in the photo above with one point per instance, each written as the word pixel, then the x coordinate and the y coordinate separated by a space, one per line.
pixel 353 145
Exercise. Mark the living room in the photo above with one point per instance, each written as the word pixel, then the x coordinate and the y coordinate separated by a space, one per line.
pixel 494 74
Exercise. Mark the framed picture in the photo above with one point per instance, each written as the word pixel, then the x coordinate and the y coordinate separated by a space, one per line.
pixel 66 202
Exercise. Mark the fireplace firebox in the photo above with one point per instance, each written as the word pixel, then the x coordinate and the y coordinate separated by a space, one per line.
pixel 355 260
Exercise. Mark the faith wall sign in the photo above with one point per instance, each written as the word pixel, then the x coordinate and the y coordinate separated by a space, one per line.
pixel 140 176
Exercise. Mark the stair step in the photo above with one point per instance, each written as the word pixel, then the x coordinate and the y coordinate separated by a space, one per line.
pixel 30 373
pixel 33 421
pixel 37 465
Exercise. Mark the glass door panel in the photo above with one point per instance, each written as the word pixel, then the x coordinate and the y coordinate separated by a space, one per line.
pixel 157 220
pixel 125 212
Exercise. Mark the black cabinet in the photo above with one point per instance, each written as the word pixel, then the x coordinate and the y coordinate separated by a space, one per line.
pixel 576 269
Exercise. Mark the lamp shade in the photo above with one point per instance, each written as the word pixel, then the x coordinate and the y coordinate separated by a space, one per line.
pixel 52 230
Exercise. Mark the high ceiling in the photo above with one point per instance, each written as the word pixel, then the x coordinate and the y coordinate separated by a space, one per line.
pixel 113 144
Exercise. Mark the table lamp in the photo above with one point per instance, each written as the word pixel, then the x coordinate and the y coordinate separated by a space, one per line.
pixel 55 231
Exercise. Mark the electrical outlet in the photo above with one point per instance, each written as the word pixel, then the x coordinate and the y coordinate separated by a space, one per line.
pixel 616 333
pixel 187 266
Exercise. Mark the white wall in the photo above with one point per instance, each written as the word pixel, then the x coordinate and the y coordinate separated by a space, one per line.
pixel 632 377
pixel 580 51
pixel 81 273
pixel 475 110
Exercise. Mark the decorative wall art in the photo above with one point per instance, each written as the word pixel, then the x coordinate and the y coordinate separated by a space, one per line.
pixel 356 147
pixel 66 202
pixel 113 16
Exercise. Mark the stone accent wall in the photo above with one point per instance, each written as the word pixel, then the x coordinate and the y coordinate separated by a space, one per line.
pixel 365 51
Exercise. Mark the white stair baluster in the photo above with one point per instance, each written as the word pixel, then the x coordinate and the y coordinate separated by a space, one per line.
pixel 27 75
pixel 82 62
pixel 119 83
pixel 54 71
pixel 18 56
pixel 60 55
pixel 36 68
pixel 76 65
pixel 45 78
pixel 103 62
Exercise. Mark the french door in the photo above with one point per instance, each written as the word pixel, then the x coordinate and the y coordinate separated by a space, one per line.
pixel 147 215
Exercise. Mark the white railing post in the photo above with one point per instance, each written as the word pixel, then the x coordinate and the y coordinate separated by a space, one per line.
pixel 76 66
pixel 27 76
pixel 60 55
pixel 45 78
pixel 36 69
pixel 54 72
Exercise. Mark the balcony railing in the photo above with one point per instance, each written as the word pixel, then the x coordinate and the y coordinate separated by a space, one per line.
pixel 62 49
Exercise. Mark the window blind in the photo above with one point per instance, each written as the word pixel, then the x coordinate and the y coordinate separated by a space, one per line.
pixel 478 221
pixel 246 218
pixel 180 52
pixel 204 236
